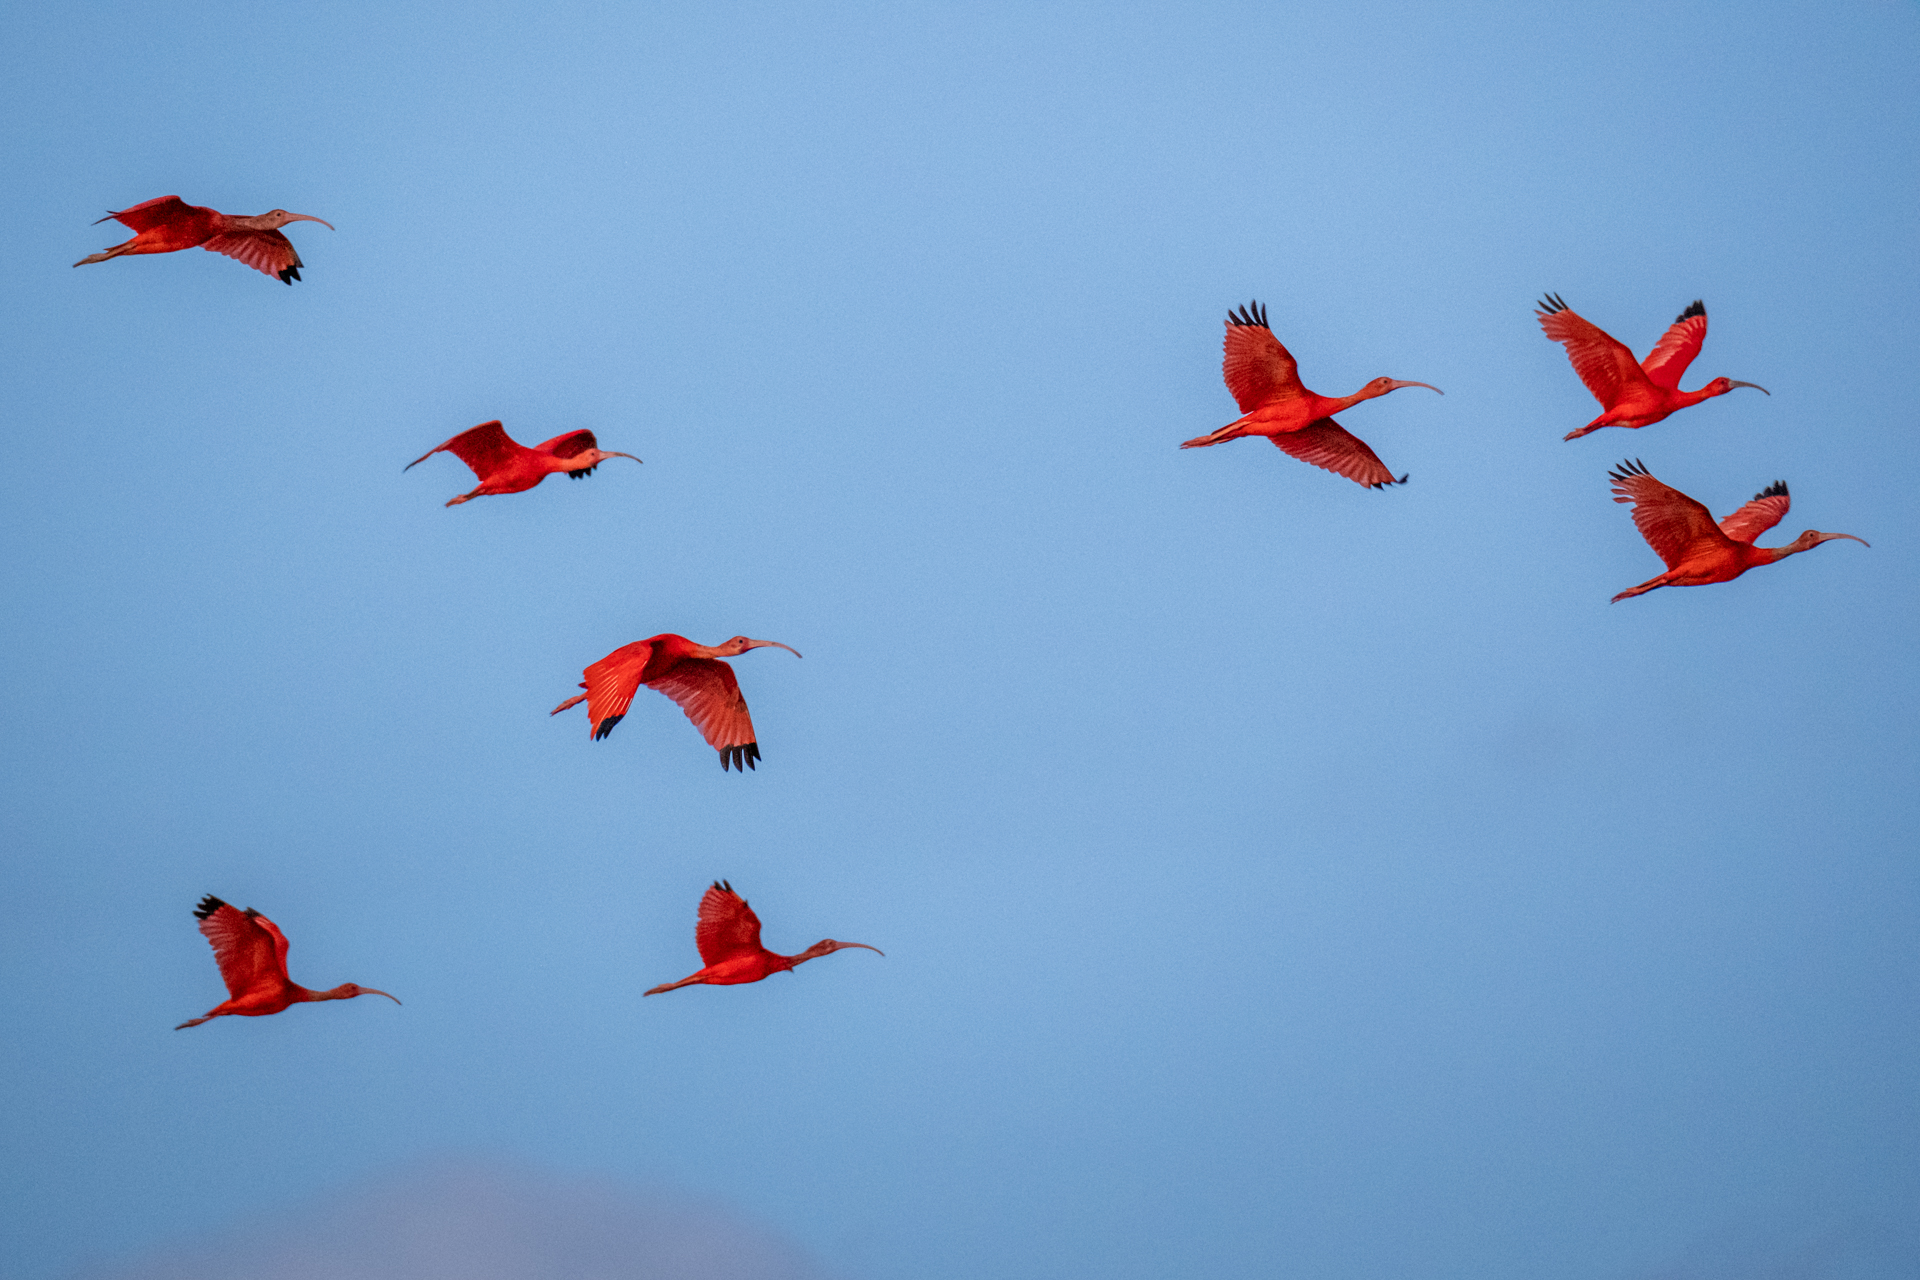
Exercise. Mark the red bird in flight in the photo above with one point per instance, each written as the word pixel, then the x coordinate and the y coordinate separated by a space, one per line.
pixel 692 675
pixel 168 224
pixel 728 935
pixel 505 466
pixel 1633 395
pixel 1697 550
pixel 1265 380
pixel 252 954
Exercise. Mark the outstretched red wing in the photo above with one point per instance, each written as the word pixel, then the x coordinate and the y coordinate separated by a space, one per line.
pixel 1257 368
pixel 1677 347
pixel 486 448
pixel 707 691
pixel 727 925
pixel 611 684
pixel 247 946
pixel 267 251
pixel 1672 523
pixel 1330 446
pixel 570 445
pixel 1768 508
pixel 153 213
pixel 1602 362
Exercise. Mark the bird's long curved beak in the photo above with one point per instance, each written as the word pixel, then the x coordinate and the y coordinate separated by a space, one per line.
pixel 1395 385
pixel 1756 386
pixel 302 217
pixel 774 644
pixel 369 991
pixel 615 453
pixel 877 951
pixel 1829 537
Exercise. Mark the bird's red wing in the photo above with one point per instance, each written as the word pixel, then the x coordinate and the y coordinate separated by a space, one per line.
pixel 1672 523
pixel 486 448
pixel 1603 362
pixel 570 445
pixel 707 691
pixel 246 951
pixel 267 251
pixel 1257 368
pixel 611 684
pixel 1328 445
pixel 1677 347
pixel 727 926
pixel 1768 508
pixel 152 213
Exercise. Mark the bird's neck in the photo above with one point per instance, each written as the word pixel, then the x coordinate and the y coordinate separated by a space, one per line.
pixel 1331 407
pixel 301 993
pixel 238 222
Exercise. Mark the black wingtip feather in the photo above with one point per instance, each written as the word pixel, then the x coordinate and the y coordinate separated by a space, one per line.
pixel 605 727
pixel 1778 489
pixel 1552 303
pixel 1251 316
pixel 1628 469
pixel 584 471
pixel 208 905
pixel 1697 308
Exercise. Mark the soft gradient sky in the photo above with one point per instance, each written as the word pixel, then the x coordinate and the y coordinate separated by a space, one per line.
pixel 1276 878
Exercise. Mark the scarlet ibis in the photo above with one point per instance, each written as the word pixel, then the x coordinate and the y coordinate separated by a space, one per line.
pixel 168 223
pixel 692 675
pixel 1265 380
pixel 505 466
pixel 252 955
pixel 1633 395
pixel 728 935
pixel 1697 550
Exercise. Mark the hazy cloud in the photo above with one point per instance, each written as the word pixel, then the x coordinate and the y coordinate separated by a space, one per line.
pixel 474 1220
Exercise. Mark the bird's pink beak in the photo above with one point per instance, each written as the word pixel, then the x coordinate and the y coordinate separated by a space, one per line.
pixel 1756 386
pixel 1829 537
pixel 841 946
pixel 773 644
pixel 1393 385
pixel 614 453
pixel 369 991
pixel 301 217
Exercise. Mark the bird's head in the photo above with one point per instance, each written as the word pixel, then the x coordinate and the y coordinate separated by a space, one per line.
pixel 348 990
pixel 1380 386
pixel 740 644
pixel 1720 387
pixel 1813 538
pixel 827 946
pixel 277 218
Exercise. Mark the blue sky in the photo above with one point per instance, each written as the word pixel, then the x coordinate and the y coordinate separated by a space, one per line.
pixel 1276 877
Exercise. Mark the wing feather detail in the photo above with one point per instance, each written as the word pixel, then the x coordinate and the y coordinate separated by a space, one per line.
pixel 1672 523
pixel 1331 447
pixel 707 690
pixel 1602 361
pixel 727 926
pixel 1768 508
pixel 267 251
pixel 1668 361
pixel 247 946
pixel 1257 368
pixel 487 449
pixel 611 684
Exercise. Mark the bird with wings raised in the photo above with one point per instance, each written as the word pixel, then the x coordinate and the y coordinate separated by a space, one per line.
pixel 506 466
pixel 1265 381
pixel 1634 394
pixel 692 675
pixel 728 935
pixel 252 955
pixel 168 224
pixel 1697 550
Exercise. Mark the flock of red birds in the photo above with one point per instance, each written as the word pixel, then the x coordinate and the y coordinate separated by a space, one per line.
pixel 1265 381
